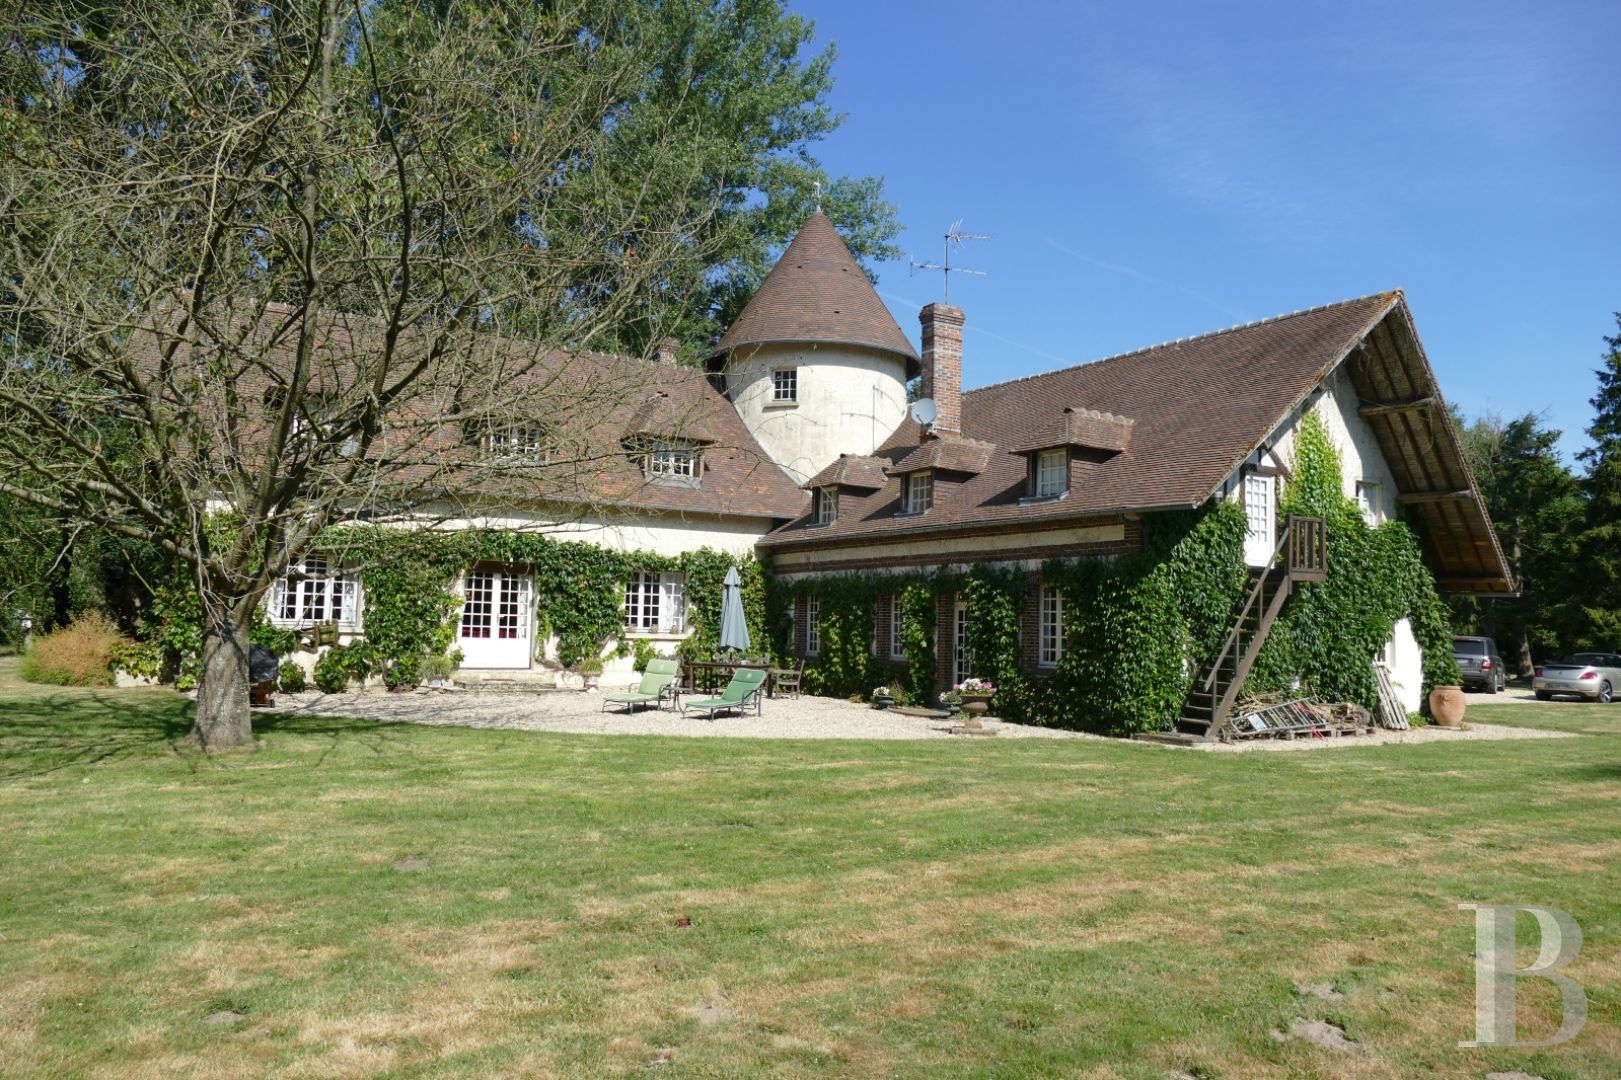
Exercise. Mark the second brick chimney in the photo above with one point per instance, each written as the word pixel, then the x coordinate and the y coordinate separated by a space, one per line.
pixel 942 365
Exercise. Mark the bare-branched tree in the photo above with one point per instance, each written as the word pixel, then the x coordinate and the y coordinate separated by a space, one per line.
pixel 270 266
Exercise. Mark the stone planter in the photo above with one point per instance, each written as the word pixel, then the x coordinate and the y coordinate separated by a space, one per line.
pixel 975 705
pixel 1446 706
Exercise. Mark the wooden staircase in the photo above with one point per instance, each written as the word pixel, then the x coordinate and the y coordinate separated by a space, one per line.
pixel 1301 554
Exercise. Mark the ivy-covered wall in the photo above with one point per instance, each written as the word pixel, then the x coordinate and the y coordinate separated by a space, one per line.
pixel 410 605
pixel 1137 627
pixel 1376 576
pixel 1131 626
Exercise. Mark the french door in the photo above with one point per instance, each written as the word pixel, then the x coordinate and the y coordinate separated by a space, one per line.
pixel 1260 511
pixel 494 630
pixel 963 661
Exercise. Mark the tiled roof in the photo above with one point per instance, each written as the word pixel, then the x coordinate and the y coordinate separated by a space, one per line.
pixel 948 453
pixel 852 471
pixel 1198 406
pixel 598 408
pixel 818 293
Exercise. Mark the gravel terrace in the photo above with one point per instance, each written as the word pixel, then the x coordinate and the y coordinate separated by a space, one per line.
pixel 791 718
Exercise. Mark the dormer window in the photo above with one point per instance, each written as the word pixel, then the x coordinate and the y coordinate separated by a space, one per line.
pixel 1049 473
pixel 516 442
pixel 784 386
pixel 919 492
pixel 827 505
pixel 673 461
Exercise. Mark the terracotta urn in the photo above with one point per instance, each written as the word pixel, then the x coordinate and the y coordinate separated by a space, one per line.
pixel 1446 706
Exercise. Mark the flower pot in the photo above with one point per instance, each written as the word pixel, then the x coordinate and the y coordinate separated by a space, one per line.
pixel 1446 706
pixel 882 702
pixel 975 705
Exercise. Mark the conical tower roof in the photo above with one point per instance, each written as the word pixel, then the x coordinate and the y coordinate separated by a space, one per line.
pixel 817 293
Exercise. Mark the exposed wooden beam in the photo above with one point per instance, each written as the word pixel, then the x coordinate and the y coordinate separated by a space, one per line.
pixel 1387 407
pixel 1410 498
pixel 1494 585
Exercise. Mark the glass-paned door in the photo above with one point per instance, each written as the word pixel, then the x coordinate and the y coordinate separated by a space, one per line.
pixel 1260 510
pixel 962 666
pixel 495 622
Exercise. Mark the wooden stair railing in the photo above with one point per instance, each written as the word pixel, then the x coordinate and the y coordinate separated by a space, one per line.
pixel 1301 554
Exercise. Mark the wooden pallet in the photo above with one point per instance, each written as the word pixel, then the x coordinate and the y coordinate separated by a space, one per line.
pixel 1391 714
pixel 1289 720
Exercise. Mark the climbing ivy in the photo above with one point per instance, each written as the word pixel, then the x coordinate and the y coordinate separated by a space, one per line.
pixel 1134 626
pixel 1330 630
pixel 408 579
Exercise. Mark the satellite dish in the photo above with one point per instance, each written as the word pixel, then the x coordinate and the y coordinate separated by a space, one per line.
pixel 924 411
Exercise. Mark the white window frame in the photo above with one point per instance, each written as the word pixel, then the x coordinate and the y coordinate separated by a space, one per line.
pixel 1051 622
pixel 315 591
pixel 784 386
pixel 813 626
pixel 920 492
pixel 517 441
pixel 656 603
pixel 1368 498
pixel 1050 473
pixel 677 461
pixel 897 650
pixel 827 505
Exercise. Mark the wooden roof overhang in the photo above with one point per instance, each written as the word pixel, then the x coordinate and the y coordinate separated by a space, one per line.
pixel 1402 405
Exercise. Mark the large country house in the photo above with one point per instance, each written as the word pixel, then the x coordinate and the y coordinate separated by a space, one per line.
pixel 805 451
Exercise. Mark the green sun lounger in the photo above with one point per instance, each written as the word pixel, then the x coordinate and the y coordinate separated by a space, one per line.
pixel 658 681
pixel 745 686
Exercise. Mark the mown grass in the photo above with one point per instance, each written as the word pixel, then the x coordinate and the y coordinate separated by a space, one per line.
pixel 941 909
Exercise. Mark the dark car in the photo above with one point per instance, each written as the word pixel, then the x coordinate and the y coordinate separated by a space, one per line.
pixel 1482 668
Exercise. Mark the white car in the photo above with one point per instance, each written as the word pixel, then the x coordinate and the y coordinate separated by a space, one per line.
pixel 1593 676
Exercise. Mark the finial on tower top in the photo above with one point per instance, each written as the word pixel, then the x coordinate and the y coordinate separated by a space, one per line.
pixel 817 187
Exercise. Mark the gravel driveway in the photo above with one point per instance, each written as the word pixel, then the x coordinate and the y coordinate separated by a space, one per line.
pixel 783 718
pixel 581 713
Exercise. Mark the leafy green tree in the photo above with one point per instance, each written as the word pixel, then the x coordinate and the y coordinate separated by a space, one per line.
pixel 256 259
pixel 1536 505
pixel 1597 589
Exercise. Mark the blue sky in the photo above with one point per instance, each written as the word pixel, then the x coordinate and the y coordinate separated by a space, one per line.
pixel 1152 171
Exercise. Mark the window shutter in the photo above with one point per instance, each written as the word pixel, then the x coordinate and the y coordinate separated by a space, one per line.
pixel 674 601
pixel 278 598
pixel 344 609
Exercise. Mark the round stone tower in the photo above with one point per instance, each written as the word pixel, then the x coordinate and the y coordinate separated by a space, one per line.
pixel 815 364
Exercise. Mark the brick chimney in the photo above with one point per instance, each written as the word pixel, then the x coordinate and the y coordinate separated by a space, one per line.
pixel 667 351
pixel 942 365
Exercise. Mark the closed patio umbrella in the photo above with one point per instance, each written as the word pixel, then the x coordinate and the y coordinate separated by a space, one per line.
pixel 734 628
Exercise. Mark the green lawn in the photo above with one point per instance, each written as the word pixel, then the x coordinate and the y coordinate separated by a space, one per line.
pixel 940 909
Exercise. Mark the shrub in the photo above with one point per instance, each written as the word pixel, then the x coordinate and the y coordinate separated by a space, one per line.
pixel 332 671
pixel 292 678
pixel 80 654
pixel 403 673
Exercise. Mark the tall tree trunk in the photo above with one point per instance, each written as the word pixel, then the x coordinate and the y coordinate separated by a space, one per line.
pixel 223 721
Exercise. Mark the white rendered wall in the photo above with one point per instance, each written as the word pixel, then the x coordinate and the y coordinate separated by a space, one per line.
pixel 1406 662
pixel 666 534
pixel 1360 460
pixel 663 534
pixel 1360 456
pixel 850 400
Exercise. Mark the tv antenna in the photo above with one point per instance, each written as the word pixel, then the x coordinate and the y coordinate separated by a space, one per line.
pixel 954 238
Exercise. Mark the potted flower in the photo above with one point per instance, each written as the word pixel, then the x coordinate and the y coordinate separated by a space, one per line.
pixel 975 695
pixel 882 697
pixel 436 669
pixel 590 669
